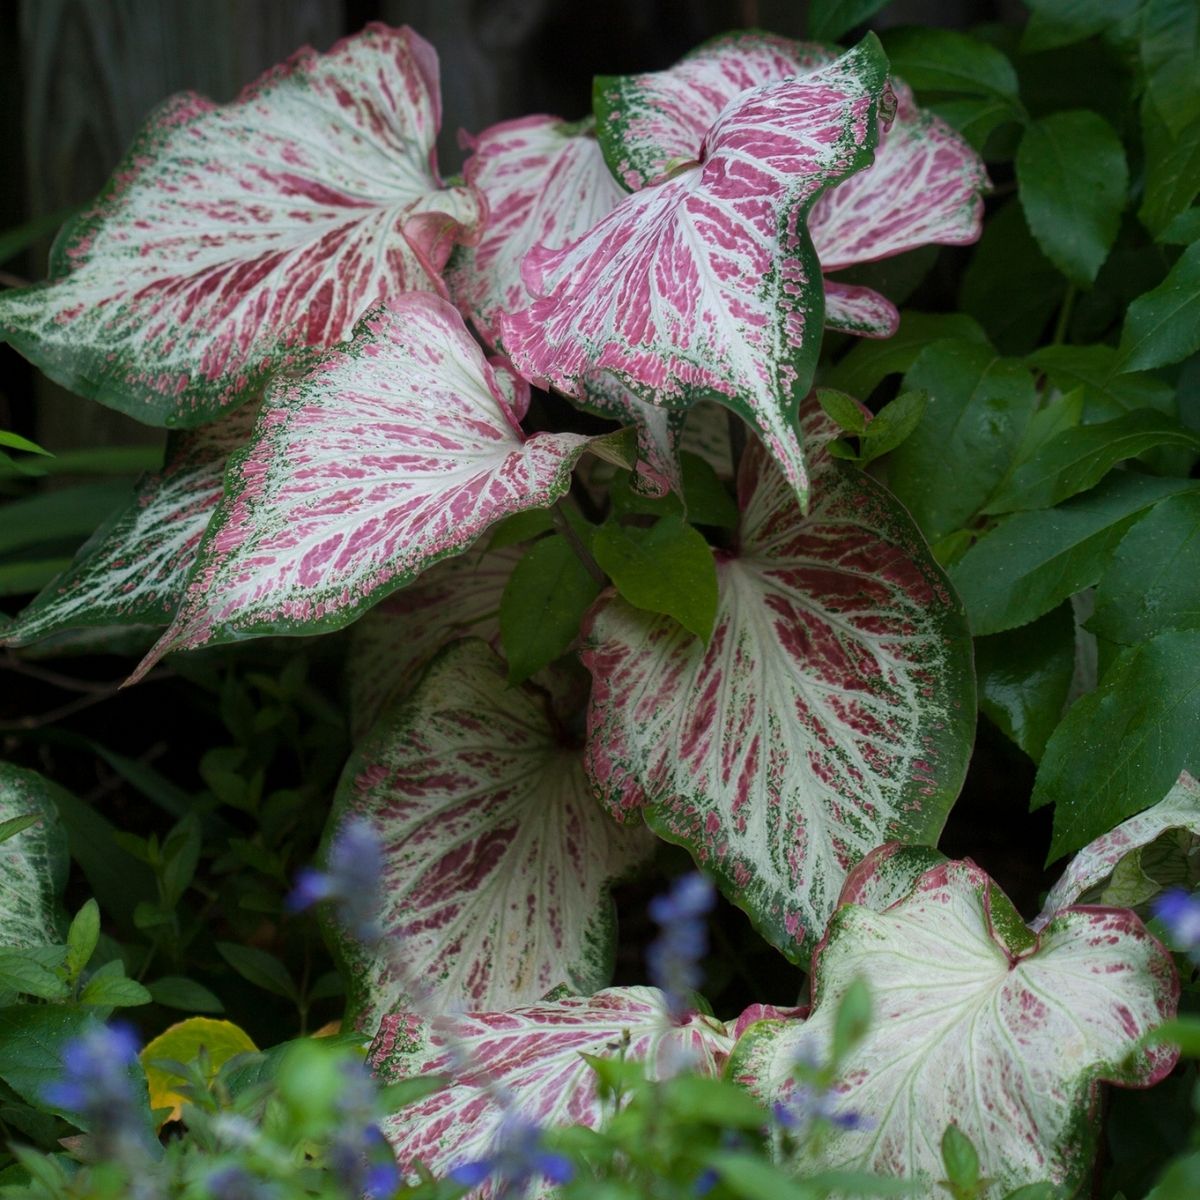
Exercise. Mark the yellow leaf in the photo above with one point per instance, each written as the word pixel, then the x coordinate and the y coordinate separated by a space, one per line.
pixel 182 1042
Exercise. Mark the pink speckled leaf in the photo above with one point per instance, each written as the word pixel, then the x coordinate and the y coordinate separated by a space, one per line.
pixel 649 124
pixel 851 308
pixel 394 642
pixel 706 285
pixel 924 188
pixel 534 1055
pixel 544 182
pixel 832 710
pixel 497 858
pixel 1178 811
pixel 134 569
pixel 236 236
pixel 392 452
pixel 978 1023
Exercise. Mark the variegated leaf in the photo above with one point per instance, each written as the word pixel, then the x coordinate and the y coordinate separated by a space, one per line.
pixel 235 236
pixel 134 569
pixel 862 311
pixel 978 1023
pixel 706 285
pixel 650 124
pixel 534 1055
pixel 393 643
pixel 1178 811
pixel 33 862
pixel 832 710
pixel 497 857
pixel 545 182
pixel 392 452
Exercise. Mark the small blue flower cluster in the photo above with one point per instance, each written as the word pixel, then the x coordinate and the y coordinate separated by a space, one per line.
pixel 353 881
pixel 1179 911
pixel 359 1154
pixel 519 1157
pixel 675 956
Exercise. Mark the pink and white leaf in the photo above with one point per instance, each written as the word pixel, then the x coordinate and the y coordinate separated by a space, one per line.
pixel 497 858
pixel 975 1023
pixel 1178 811
pixel 651 123
pixel 831 711
pixel 862 311
pixel 134 570
pixel 235 237
pixel 706 285
pixel 544 182
pixel 532 1054
pixel 390 453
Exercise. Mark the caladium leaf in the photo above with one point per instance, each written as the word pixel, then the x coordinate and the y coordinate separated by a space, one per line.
pixel 979 1024
pixel 862 311
pixel 133 571
pixel 706 285
pixel 392 452
pixel 33 862
pixel 545 182
pixel 832 710
pixel 1098 860
pixel 534 1055
pixel 235 236
pixel 497 858
pixel 393 643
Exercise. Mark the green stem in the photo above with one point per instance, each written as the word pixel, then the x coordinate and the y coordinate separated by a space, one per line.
pixel 564 526
pixel 1064 314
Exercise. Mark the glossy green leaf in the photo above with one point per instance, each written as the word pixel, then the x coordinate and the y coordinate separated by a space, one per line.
pixel 1121 748
pixel 543 602
pixel 941 60
pixel 1076 459
pixel 975 119
pixel 706 500
pixel 1170 53
pixel 1107 392
pixel 1183 230
pixel 828 20
pixel 667 569
pixel 1153 581
pixel 1163 326
pixel 115 991
pixel 1054 23
pixel 843 410
pixel 1073 179
pixel 14 441
pixel 32 1038
pixel 1024 677
pixel 23 974
pixel 82 938
pixel 977 409
pixel 893 423
pixel 1031 562
pixel 1172 170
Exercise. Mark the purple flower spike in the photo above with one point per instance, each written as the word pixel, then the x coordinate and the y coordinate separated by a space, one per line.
pixel 674 957
pixel 353 881
pixel 517 1160
pixel 1179 911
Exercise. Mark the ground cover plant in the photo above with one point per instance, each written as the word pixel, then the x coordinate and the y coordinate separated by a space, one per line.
pixel 719 515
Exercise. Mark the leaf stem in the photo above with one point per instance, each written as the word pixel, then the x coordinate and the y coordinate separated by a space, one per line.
pixel 564 526
pixel 1064 314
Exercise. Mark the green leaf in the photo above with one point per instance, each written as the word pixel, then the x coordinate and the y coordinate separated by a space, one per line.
pixel 940 60
pixel 1031 562
pixel 180 856
pixel 873 359
pixel 15 825
pixel 259 968
pixel 852 1021
pixel 844 411
pixel 1170 52
pixel 521 527
pixel 82 938
pixel 893 423
pixel 1059 415
pixel 70 513
pixel 1153 582
pixel 13 241
pixel 1172 172
pixel 32 1038
pixel 961 1162
pixel 750 1177
pixel 542 605
pixel 667 569
pixel 14 441
pixel 1055 23
pixel 115 991
pixel 828 20
pixel 977 409
pixel 1121 748
pixel 1076 459
pixel 1183 1031
pixel 1163 326
pixel 1106 392
pixel 1073 179
pixel 25 578
pixel 1024 677
pixel 720 1102
pixel 21 973
pixel 975 119
pixel 177 991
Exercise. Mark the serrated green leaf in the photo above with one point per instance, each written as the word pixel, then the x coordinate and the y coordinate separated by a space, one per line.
pixel 32 1038
pixel 259 968
pixel 1031 562
pixel 1163 326
pixel 975 119
pixel 844 411
pixel 1107 393
pixel 893 423
pixel 1073 179
pixel 115 992
pixel 177 991
pixel 1170 54
pixel 21 973
pixel 828 20
pixel 543 602
pixel 667 569
pixel 1172 167
pixel 82 938
pixel 942 60
pixel 1055 23
pixel 1121 748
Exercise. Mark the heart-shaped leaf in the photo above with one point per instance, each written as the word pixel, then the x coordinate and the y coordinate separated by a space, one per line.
pixel 978 1024
pixel 134 569
pixel 497 858
pixel 391 453
pixel 831 711
pixel 706 285
pixel 235 236
pixel 534 1055
pixel 33 861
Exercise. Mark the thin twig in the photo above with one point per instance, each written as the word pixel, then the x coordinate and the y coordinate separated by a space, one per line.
pixel 564 526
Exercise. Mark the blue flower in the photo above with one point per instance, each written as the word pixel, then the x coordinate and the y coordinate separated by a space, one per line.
pixel 674 957
pixel 1179 911
pixel 359 1154
pixel 353 881
pixel 518 1159
pixel 234 1183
